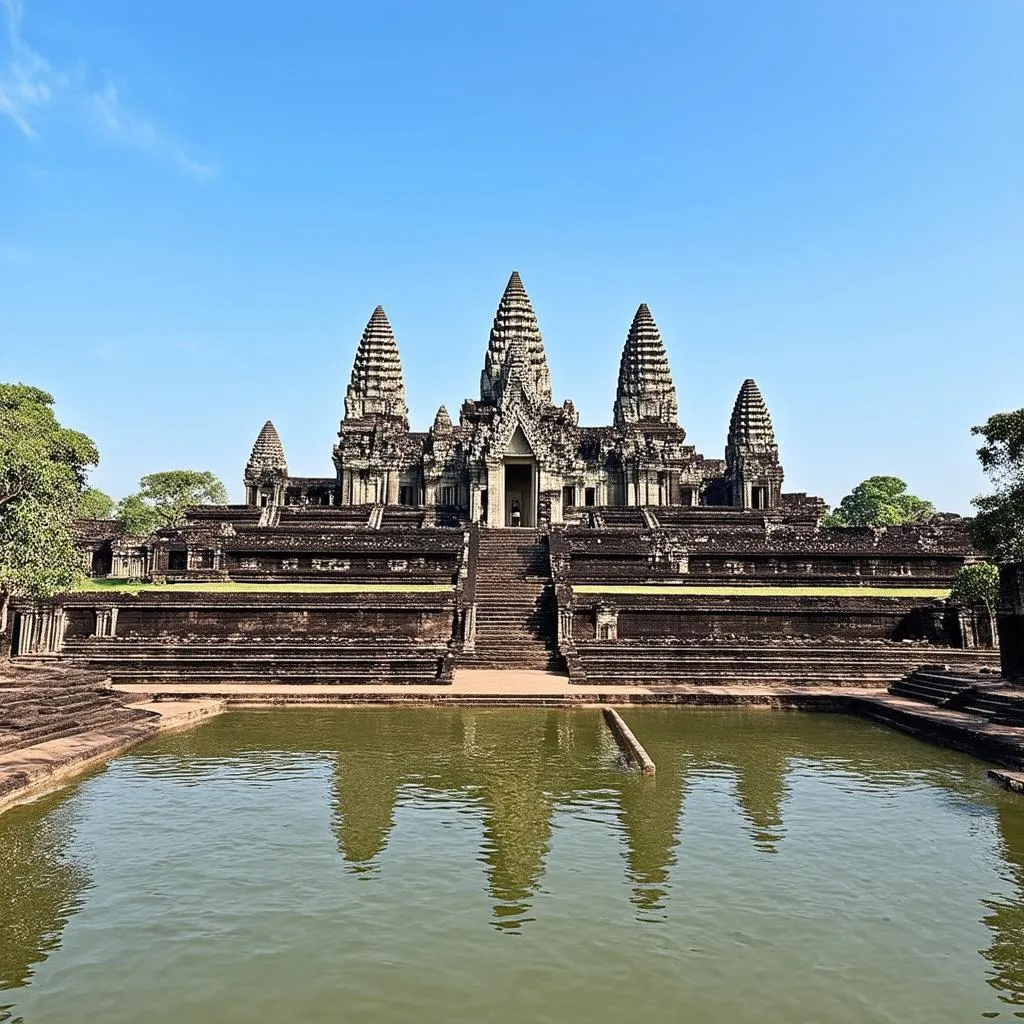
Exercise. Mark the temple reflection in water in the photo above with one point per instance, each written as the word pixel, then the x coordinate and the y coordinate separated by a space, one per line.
pixel 516 778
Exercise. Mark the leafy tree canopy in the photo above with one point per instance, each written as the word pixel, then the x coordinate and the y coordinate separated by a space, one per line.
pixel 138 517
pixel 94 504
pixel 880 501
pixel 975 585
pixel 998 528
pixel 163 499
pixel 42 472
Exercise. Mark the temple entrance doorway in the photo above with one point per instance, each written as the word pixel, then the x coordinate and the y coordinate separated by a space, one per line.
pixel 520 495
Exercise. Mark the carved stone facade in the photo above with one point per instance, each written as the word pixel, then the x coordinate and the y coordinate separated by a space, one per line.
pixel 515 458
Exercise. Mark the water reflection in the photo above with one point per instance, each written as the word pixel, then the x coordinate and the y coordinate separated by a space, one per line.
pixel 517 777
pixel 1006 917
pixel 41 886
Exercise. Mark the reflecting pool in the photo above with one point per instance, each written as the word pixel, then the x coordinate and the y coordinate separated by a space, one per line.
pixel 470 865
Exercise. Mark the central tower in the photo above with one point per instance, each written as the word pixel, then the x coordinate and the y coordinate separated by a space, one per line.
pixel 515 323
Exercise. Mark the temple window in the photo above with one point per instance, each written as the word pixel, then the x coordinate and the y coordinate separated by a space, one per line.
pixel 758 497
pixel 448 495
pixel 177 561
pixel 685 495
pixel 590 496
pixel 407 495
pixel 568 497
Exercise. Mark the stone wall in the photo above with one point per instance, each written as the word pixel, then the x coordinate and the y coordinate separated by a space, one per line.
pixel 687 617
pixel 1011 620
pixel 426 617
pixel 772 548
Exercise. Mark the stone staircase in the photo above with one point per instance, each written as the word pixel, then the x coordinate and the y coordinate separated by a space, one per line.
pixel 516 611
pixel 989 697
pixel 321 660
pixel 755 663
pixel 50 704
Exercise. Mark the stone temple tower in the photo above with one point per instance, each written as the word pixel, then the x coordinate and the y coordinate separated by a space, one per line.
pixel 753 475
pixel 371 454
pixel 377 387
pixel 266 472
pixel 515 323
pixel 645 393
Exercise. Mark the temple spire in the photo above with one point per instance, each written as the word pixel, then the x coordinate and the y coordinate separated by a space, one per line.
pixel 267 453
pixel 442 423
pixel 266 472
pixel 515 321
pixel 645 392
pixel 753 472
pixel 750 426
pixel 377 387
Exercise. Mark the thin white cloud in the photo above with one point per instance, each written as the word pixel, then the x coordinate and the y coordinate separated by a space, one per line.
pixel 133 131
pixel 29 84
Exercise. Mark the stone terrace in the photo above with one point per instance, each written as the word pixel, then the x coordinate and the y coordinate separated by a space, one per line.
pixel 639 604
pixel 725 546
pixel 289 637
pixel 37 705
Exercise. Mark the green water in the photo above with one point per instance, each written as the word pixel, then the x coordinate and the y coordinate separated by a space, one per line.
pixel 500 866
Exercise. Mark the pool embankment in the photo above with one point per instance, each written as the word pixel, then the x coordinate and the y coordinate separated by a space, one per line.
pixel 1013 781
pixel 630 746
pixel 31 772
pixel 970 734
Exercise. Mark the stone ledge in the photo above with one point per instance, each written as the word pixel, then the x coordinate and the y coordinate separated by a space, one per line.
pixel 1013 781
pixel 31 772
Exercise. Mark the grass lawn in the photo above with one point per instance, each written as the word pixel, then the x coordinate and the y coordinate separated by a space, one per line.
pixel 761 591
pixel 126 587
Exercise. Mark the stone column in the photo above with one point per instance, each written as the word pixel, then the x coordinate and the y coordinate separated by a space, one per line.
pixel 27 625
pixel 564 625
pixel 391 487
pixel 557 515
pixel 495 494
pixel 606 622
pixel 106 622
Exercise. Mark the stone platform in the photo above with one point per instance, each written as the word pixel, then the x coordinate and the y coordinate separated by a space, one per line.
pixel 511 688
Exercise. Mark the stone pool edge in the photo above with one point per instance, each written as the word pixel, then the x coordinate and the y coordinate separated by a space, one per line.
pixel 32 772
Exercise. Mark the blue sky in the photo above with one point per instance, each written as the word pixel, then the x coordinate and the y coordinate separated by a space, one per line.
pixel 201 203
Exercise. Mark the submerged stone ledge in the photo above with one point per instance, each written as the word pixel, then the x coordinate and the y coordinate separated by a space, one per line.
pixel 630 746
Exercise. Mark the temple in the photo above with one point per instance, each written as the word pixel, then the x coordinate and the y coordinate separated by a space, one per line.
pixel 515 458
pixel 518 539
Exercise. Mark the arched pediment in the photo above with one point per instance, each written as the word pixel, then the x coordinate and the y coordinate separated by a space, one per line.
pixel 516 434
pixel 518 444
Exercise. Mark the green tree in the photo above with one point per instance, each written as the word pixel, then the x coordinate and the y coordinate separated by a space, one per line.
pixel 94 504
pixel 998 528
pixel 977 586
pixel 42 473
pixel 163 499
pixel 880 501
pixel 135 516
